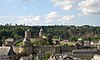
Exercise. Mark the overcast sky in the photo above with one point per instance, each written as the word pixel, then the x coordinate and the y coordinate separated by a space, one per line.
pixel 50 12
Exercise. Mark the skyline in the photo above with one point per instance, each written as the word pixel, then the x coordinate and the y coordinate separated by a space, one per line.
pixel 50 12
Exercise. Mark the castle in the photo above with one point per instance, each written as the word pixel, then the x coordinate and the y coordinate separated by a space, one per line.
pixel 27 49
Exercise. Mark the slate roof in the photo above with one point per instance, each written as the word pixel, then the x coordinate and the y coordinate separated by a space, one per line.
pixel 10 39
pixel 84 51
pixel 24 58
pixel 6 51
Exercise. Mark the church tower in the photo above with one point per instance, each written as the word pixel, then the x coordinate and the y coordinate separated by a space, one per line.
pixel 41 33
pixel 28 34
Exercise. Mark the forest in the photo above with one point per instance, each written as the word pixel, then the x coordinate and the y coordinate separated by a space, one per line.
pixel 71 33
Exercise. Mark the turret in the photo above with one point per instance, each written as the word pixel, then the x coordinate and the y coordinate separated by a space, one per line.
pixel 26 42
pixel 28 34
pixel 41 33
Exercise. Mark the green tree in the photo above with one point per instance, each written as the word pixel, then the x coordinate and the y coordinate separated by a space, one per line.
pixel 49 39
pixel 47 55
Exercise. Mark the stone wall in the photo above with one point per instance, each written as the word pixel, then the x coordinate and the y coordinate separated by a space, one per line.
pixel 52 49
pixel 67 48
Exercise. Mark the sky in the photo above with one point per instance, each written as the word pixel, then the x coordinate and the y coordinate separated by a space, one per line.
pixel 50 12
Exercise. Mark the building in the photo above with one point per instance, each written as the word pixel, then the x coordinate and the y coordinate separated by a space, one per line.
pixel 96 57
pixel 80 41
pixel 26 58
pixel 98 46
pixel 87 43
pixel 9 41
pixel 41 33
pixel 26 48
pixel 28 34
pixel 84 54
pixel 7 53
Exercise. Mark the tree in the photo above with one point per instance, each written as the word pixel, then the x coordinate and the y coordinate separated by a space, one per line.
pixel 49 39
pixel 47 55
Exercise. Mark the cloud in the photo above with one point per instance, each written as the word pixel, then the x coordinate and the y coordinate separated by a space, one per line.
pixel 28 20
pixel 63 4
pixel 88 7
pixel 56 18
pixel 67 17
pixel 52 17
pixel 24 8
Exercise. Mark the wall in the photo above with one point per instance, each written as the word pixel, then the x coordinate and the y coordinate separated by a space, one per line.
pixel 52 49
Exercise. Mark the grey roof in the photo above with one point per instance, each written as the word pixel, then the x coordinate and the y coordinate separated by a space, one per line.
pixel 84 51
pixel 10 39
pixel 4 50
pixel 24 58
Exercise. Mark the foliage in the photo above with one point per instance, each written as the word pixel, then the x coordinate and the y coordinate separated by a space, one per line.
pixel 49 39
pixel 20 43
pixel 39 42
pixel 47 55
pixel 67 32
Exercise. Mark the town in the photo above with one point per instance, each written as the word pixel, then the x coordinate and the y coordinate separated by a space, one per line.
pixel 49 29
pixel 44 46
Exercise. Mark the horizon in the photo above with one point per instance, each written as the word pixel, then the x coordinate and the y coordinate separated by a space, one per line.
pixel 10 24
pixel 50 12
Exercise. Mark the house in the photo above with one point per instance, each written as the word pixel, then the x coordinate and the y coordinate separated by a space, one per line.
pixel 96 57
pixel 9 41
pixel 7 53
pixel 84 54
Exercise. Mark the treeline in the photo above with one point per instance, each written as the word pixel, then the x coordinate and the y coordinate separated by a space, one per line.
pixel 64 32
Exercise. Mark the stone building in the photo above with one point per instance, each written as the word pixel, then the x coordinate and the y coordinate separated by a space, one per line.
pixel 84 54
pixel 96 57
pixel 28 34
pixel 98 46
pixel 80 41
pixel 9 41
pixel 26 47
pixel 41 33
pixel 7 53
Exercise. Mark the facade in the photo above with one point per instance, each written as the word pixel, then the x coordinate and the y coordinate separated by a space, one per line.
pixel 26 47
pixel 80 41
pixel 84 54
pixel 87 43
